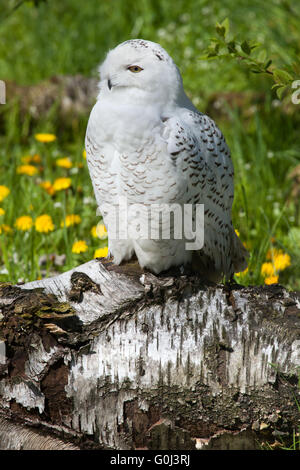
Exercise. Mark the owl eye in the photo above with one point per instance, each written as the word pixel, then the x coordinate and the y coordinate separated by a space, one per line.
pixel 135 68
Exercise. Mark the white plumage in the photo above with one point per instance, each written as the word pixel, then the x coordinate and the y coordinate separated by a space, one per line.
pixel 146 142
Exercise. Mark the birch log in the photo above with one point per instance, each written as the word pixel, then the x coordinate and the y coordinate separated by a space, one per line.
pixel 117 358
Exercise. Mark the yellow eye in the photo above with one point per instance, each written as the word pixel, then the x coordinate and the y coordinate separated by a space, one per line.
pixel 135 68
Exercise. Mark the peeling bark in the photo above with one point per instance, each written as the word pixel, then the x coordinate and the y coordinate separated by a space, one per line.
pixel 114 357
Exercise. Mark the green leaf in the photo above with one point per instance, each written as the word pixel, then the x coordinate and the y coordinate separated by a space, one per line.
pixel 213 49
pixel 276 85
pixel 246 47
pixel 231 46
pixel 251 63
pixel 280 91
pixel 262 56
pixel 225 24
pixel 281 76
pixel 212 54
pixel 268 63
pixel 256 70
pixel 220 30
pixel 254 45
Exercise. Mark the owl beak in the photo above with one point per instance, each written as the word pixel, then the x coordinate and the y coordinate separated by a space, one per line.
pixel 109 84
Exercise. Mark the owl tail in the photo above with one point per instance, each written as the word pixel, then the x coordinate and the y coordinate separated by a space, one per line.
pixel 203 265
pixel 235 261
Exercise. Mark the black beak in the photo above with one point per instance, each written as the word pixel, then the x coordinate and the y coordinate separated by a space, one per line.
pixel 109 84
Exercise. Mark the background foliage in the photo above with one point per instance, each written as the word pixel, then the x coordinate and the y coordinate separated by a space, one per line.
pixel 261 124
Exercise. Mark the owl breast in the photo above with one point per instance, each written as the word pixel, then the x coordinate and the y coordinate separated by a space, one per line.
pixel 135 168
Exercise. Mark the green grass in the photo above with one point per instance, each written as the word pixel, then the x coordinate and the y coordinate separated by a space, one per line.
pixel 72 37
pixel 22 250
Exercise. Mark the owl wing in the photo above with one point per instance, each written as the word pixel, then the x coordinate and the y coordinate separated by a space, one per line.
pixel 99 156
pixel 198 148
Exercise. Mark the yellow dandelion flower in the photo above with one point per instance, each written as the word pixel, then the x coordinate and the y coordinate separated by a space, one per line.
pixel 5 228
pixel 44 224
pixel 99 231
pixel 267 270
pixel 45 138
pixel 31 158
pixel 271 280
pixel 94 231
pixel 242 273
pixel 47 186
pixel 4 191
pixel 84 153
pixel 2 211
pixel 29 170
pixel 24 223
pixel 36 158
pixel 272 253
pixel 101 252
pixel 79 247
pixel 61 183
pixel 71 219
pixel 282 261
pixel 64 162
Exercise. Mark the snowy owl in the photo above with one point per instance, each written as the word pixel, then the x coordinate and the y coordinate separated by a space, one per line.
pixel 148 145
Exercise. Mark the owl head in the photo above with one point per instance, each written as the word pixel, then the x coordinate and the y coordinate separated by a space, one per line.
pixel 140 70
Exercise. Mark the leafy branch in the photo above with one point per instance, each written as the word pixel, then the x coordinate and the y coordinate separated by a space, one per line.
pixel 226 46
